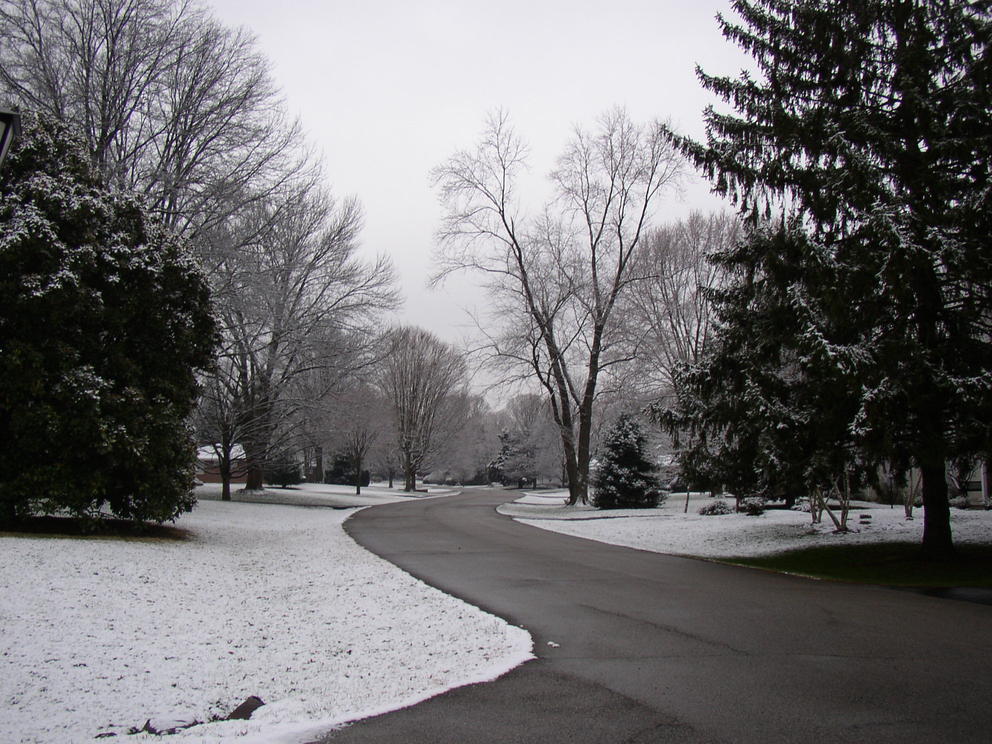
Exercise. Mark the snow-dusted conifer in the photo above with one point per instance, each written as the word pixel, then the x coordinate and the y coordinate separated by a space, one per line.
pixel 104 322
pixel 624 477
pixel 767 412
pixel 867 125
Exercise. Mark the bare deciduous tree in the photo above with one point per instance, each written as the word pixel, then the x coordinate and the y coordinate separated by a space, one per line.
pixel 422 376
pixel 669 315
pixel 359 418
pixel 170 102
pixel 220 418
pixel 557 278
pixel 298 315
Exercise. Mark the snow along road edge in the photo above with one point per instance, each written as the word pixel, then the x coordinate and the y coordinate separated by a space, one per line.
pixel 179 626
pixel 521 654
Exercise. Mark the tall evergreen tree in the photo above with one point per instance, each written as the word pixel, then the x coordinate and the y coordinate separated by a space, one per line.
pixel 870 126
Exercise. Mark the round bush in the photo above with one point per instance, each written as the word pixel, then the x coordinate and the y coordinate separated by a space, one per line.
pixel 715 508
pixel 753 507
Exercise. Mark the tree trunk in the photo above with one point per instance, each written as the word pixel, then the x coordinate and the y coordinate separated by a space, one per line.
pixel 410 481
pixel 358 476
pixel 224 470
pixel 225 478
pixel 224 467
pixel 584 453
pixel 986 492
pixel 937 542
pixel 575 492
pixel 10 513
pixel 389 474
pixel 563 418
pixel 254 477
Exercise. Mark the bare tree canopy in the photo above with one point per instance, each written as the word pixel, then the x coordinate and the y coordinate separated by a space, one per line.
pixel 170 102
pixel 556 277
pixel 669 316
pixel 298 315
pixel 422 376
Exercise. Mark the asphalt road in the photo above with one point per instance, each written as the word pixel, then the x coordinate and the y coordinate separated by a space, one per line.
pixel 652 648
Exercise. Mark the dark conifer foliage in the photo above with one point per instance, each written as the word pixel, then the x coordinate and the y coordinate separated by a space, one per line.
pixel 862 147
pixel 767 412
pixel 624 478
pixel 104 323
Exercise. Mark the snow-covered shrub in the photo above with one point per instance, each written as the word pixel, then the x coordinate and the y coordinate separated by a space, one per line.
pixel 715 508
pixel 959 502
pixel 753 506
pixel 625 478
pixel 802 504
pixel 105 323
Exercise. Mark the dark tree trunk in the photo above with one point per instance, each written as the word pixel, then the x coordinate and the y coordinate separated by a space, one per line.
pixel 390 474
pixel 358 476
pixel 576 494
pixel 254 477
pixel 937 542
pixel 225 478
pixel 409 473
pixel 10 513
pixel 986 495
pixel 583 453
pixel 224 466
pixel 583 449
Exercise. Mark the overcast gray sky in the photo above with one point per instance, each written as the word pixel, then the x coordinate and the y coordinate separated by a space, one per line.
pixel 387 89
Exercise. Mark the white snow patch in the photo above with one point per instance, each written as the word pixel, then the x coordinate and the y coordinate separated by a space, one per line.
pixel 318 494
pixel 100 635
pixel 668 529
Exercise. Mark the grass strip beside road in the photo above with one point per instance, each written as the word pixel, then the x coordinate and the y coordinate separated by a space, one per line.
pixel 889 564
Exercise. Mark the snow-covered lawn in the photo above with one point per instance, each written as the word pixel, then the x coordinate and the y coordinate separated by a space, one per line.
pixel 269 600
pixel 317 494
pixel 668 529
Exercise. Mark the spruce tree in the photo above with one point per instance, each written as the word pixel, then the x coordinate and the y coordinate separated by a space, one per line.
pixel 767 410
pixel 868 126
pixel 624 478
pixel 104 324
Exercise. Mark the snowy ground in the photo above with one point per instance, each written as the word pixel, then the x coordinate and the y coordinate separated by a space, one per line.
pixel 269 600
pixel 668 529
pixel 317 494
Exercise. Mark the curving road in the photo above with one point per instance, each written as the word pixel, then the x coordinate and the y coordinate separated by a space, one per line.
pixel 641 647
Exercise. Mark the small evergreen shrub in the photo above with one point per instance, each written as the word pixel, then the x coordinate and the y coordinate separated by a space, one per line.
pixel 715 508
pixel 802 505
pixel 284 471
pixel 624 477
pixel 753 506
pixel 342 472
